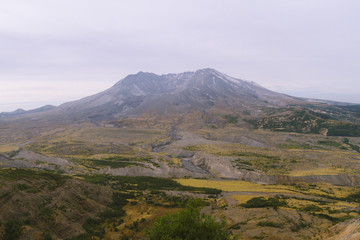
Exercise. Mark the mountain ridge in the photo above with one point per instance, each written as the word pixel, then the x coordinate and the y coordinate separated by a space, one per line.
pixel 147 93
pixel 21 111
pixel 202 128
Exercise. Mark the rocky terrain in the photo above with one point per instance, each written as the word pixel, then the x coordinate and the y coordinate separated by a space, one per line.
pixel 243 141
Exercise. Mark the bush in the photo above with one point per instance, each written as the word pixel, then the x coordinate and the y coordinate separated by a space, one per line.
pixel 311 208
pixel 354 197
pixel 270 224
pixel 13 230
pixel 188 224
pixel 261 202
pixel 47 236
pixel 93 227
pixel 83 236
pixel 230 118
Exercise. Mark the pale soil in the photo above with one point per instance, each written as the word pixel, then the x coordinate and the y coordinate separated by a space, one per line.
pixel 349 230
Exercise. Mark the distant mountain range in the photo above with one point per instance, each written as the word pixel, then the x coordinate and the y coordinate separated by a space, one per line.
pixel 20 111
pixel 204 91
pixel 172 93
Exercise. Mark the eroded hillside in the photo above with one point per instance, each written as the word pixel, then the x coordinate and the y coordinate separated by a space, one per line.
pixel 105 167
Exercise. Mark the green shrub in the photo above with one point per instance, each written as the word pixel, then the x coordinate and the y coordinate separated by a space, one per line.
pixel 354 197
pixel 188 224
pixel 47 236
pixel 311 208
pixel 330 143
pixel 13 230
pixel 230 118
pixel 270 224
pixel 93 227
pixel 261 202
pixel 83 236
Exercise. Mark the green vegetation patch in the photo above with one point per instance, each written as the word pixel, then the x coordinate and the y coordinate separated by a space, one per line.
pixel 189 224
pixel 270 224
pixel 330 143
pixel 353 147
pixel 77 148
pixel 13 230
pixel 265 163
pixel 116 161
pixel 261 202
pixel 306 121
pixel 269 160
pixel 295 145
pixel 27 188
pixel 343 129
pixel 113 164
pixel 54 179
pixel 126 188
pixel 311 208
pixel 354 197
pixel 193 148
pixel 243 164
pixel 95 226
pixel 230 118
pixel 145 183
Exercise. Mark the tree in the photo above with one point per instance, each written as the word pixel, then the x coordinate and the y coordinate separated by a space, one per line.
pixel 188 224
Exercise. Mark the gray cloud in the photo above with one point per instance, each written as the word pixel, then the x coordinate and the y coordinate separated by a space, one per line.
pixel 298 47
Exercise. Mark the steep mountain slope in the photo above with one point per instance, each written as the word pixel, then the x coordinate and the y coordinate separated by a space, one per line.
pixel 202 90
pixel 205 92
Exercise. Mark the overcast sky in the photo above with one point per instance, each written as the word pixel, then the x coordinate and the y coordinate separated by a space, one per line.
pixel 60 50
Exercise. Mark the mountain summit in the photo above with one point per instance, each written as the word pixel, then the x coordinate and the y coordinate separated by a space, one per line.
pixel 203 90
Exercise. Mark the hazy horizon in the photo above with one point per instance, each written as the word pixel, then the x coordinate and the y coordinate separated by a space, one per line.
pixel 59 51
pixel 96 87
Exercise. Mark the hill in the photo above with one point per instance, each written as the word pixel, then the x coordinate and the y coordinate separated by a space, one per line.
pixel 278 166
